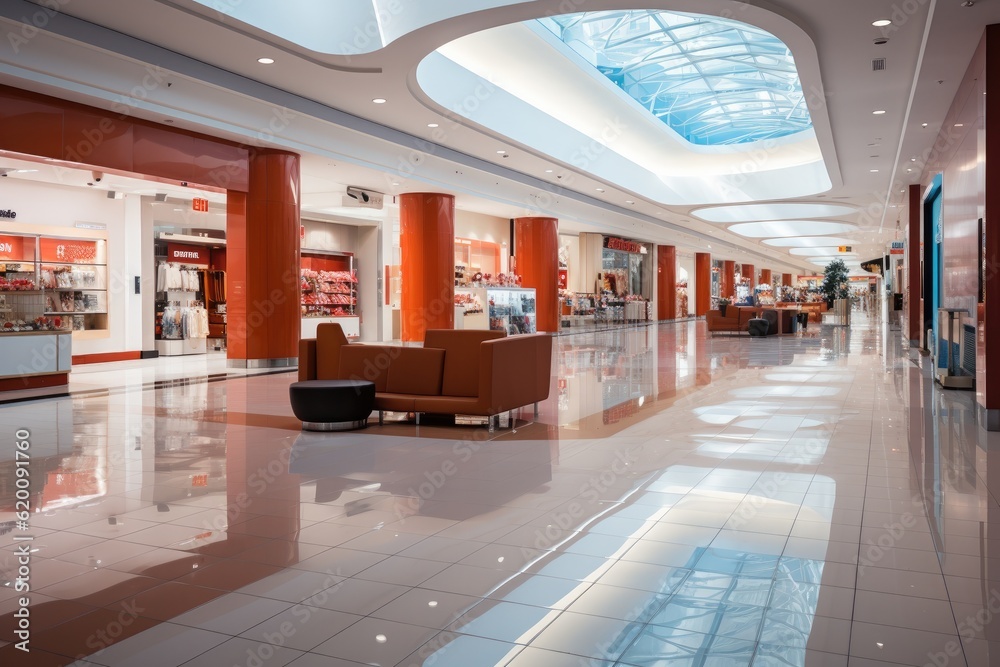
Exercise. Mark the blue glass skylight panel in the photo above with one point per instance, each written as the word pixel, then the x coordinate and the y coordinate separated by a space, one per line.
pixel 715 81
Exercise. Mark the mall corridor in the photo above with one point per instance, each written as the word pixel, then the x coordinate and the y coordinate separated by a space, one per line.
pixel 681 500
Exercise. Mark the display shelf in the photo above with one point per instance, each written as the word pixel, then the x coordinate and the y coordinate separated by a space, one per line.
pixel 329 285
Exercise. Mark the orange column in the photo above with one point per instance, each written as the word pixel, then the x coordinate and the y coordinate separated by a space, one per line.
pixel 727 280
pixel 536 247
pixel 262 240
pixel 786 280
pixel 702 283
pixel 765 276
pixel 750 271
pixel 666 282
pixel 427 246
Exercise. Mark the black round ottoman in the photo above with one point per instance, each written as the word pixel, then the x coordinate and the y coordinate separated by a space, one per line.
pixel 332 405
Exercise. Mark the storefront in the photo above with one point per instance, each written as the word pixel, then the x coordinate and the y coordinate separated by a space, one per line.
pixel 488 289
pixel 339 270
pixel 608 280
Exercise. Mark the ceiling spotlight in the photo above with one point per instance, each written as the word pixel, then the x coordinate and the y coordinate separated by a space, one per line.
pixel 913 159
pixel 908 171
pixel 265 61
pixel 923 125
pixel 600 189
pixel 548 171
pixel 959 124
pixel 501 152
pixel 881 23
pixel 379 100
pixel 629 201
pixel 432 124
pixel 878 112
pixel 874 171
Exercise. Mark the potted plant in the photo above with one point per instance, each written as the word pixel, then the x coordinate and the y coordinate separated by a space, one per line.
pixel 723 304
pixel 835 287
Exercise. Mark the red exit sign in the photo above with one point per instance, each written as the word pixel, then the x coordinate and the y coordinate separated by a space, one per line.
pixel 200 204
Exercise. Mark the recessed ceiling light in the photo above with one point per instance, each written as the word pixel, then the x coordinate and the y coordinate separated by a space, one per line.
pixel 881 23
pixel 379 100
pixel 395 183
pixel 629 201
pixel 548 171
pixel 600 189
pixel 501 152
pixel 432 124
pixel 923 125
pixel 959 124
pixel 265 61
pixel 874 171
pixel 908 171
pixel 878 112
pixel 913 159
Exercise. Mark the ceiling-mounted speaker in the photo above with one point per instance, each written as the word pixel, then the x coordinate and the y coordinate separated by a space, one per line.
pixel 161 196
pixel 113 194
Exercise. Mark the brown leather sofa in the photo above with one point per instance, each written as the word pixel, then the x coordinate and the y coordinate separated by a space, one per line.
pixel 735 321
pixel 467 372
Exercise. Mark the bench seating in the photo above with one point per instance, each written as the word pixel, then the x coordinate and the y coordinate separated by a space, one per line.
pixel 466 372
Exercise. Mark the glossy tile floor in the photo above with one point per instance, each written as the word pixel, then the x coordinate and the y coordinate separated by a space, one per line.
pixel 681 500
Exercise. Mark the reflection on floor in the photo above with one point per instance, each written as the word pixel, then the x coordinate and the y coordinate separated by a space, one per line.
pixel 681 500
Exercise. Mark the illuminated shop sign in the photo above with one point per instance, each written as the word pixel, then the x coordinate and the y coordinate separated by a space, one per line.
pixel 624 245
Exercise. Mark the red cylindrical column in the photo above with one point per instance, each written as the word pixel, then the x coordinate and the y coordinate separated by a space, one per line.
pixel 702 283
pixel 727 281
pixel 427 248
pixel 750 271
pixel 666 282
pixel 262 240
pixel 786 280
pixel 536 247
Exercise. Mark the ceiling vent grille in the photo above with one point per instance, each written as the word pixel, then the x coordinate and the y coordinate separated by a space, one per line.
pixel 878 64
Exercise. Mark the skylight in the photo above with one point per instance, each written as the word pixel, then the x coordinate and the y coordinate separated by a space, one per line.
pixel 714 81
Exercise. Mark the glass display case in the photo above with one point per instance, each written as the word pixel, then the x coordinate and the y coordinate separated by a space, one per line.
pixel 33 342
pixel 510 309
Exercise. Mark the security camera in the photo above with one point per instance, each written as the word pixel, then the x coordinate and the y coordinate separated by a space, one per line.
pixel 98 176
pixel 363 198
pixel 359 194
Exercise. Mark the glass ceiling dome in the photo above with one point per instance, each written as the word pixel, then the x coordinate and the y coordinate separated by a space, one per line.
pixel 713 80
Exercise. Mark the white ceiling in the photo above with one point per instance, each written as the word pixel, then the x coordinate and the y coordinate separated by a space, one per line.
pixel 100 52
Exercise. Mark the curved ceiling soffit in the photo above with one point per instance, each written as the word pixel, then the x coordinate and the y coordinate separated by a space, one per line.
pixel 774 20
pixel 372 29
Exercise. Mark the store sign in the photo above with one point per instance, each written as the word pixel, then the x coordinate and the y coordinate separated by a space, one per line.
pixel 897 248
pixel 9 214
pixel 563 279
pixel 12 247
pixel 187 254
pixel 70 251
pixel 843 248
pixel 199 204
pixel 624 245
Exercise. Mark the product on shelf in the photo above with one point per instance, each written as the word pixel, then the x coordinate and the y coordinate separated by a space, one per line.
pixel 328 293
pixel 470 301
pixel 17 284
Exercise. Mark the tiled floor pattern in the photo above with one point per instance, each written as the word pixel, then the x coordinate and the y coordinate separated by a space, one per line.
pixel 682 501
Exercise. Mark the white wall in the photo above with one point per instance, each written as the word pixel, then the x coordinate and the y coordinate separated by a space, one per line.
pixel 54 210
pixel 481 227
